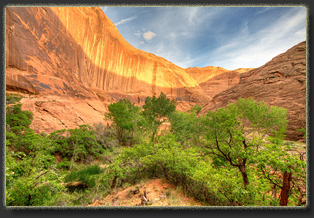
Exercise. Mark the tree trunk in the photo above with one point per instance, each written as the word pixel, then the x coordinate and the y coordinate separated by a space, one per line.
pixel 114 181
pixel 274 192
pixel 244 175
pixel 285 189
pixel 119 135
pixel 153 138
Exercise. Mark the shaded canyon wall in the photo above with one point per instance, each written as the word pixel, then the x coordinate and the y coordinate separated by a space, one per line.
pixel 280 82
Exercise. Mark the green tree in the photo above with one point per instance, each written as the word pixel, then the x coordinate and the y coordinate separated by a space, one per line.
pixel 230 131
pixel 282 167
pixel 156 110
pixel 195 109
pixel 124 116
pixel 186 128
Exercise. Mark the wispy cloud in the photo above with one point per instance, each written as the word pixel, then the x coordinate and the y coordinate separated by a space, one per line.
pixel 123 21
pixel 138 34
pixel 104 9
pixel 229 37
pixel 254 50
pixel 264 10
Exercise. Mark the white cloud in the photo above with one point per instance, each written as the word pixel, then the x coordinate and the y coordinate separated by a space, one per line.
pixel 149 35
pixel 125 20
pixel 264 10
pixel 198 36
pixel 138 34
pixel 104 9
pixel 191 15
pixel 254 50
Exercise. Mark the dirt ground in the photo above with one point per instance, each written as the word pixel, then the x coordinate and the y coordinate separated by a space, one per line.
pixel 159 193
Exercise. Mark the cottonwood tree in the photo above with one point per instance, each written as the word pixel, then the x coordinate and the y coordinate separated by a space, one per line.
pixel 283 169
pixel 124 116
pixel 186 128
pixel 230 131
pixel 156 110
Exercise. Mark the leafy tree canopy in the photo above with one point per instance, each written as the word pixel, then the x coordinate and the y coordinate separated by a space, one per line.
pixel 124 115
pixel 156 109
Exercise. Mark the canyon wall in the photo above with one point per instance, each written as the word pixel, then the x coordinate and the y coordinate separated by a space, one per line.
pixel 280 82
pixel 214 80
pixel 71 62
pixel 79 52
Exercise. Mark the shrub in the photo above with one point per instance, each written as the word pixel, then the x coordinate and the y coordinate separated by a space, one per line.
pixel 18 120
pixel 80 143
pixel 86 175
pixel 13 98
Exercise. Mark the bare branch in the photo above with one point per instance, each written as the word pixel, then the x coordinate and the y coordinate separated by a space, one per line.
pixel 268 177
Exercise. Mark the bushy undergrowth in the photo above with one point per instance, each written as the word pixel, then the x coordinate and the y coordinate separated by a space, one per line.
pixel 13 98
pixel 226 158
pixel 182 167
pixel 33 176
pixel 199 176
pixel 86 175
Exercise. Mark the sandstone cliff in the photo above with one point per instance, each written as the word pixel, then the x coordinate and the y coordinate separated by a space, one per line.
pixel 214 80
pixel 78 55
pixel 73 62
pixel 280 82
pixel 75 51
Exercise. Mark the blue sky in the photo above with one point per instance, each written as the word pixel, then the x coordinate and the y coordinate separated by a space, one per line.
pixel 228 37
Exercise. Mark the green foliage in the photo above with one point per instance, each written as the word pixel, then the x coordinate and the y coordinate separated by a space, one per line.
pixel 260 117
pixel 195 109
pixel 304 132
pixel 230 131
pixel 78 144
pixel 276 159
pixel 13 98
pixel 16 119
pixel 186 127
pixel 182 167
pixel 156 109
pixel 31 177
pixel 204 156
pixel 124 116
pixel 85 175
pixel 64 164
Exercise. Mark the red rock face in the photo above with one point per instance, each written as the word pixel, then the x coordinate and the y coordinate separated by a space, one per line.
pixel 214 80
pixel 280 82
pixel 76 55
pixel 75 51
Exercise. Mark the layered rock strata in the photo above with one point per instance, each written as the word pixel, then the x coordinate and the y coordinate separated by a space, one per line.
pixel 77 55
pixel 214 80
pixel 75 51
pixel 280 82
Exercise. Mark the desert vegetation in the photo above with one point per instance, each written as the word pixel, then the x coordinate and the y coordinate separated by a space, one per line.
pixel 234 156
